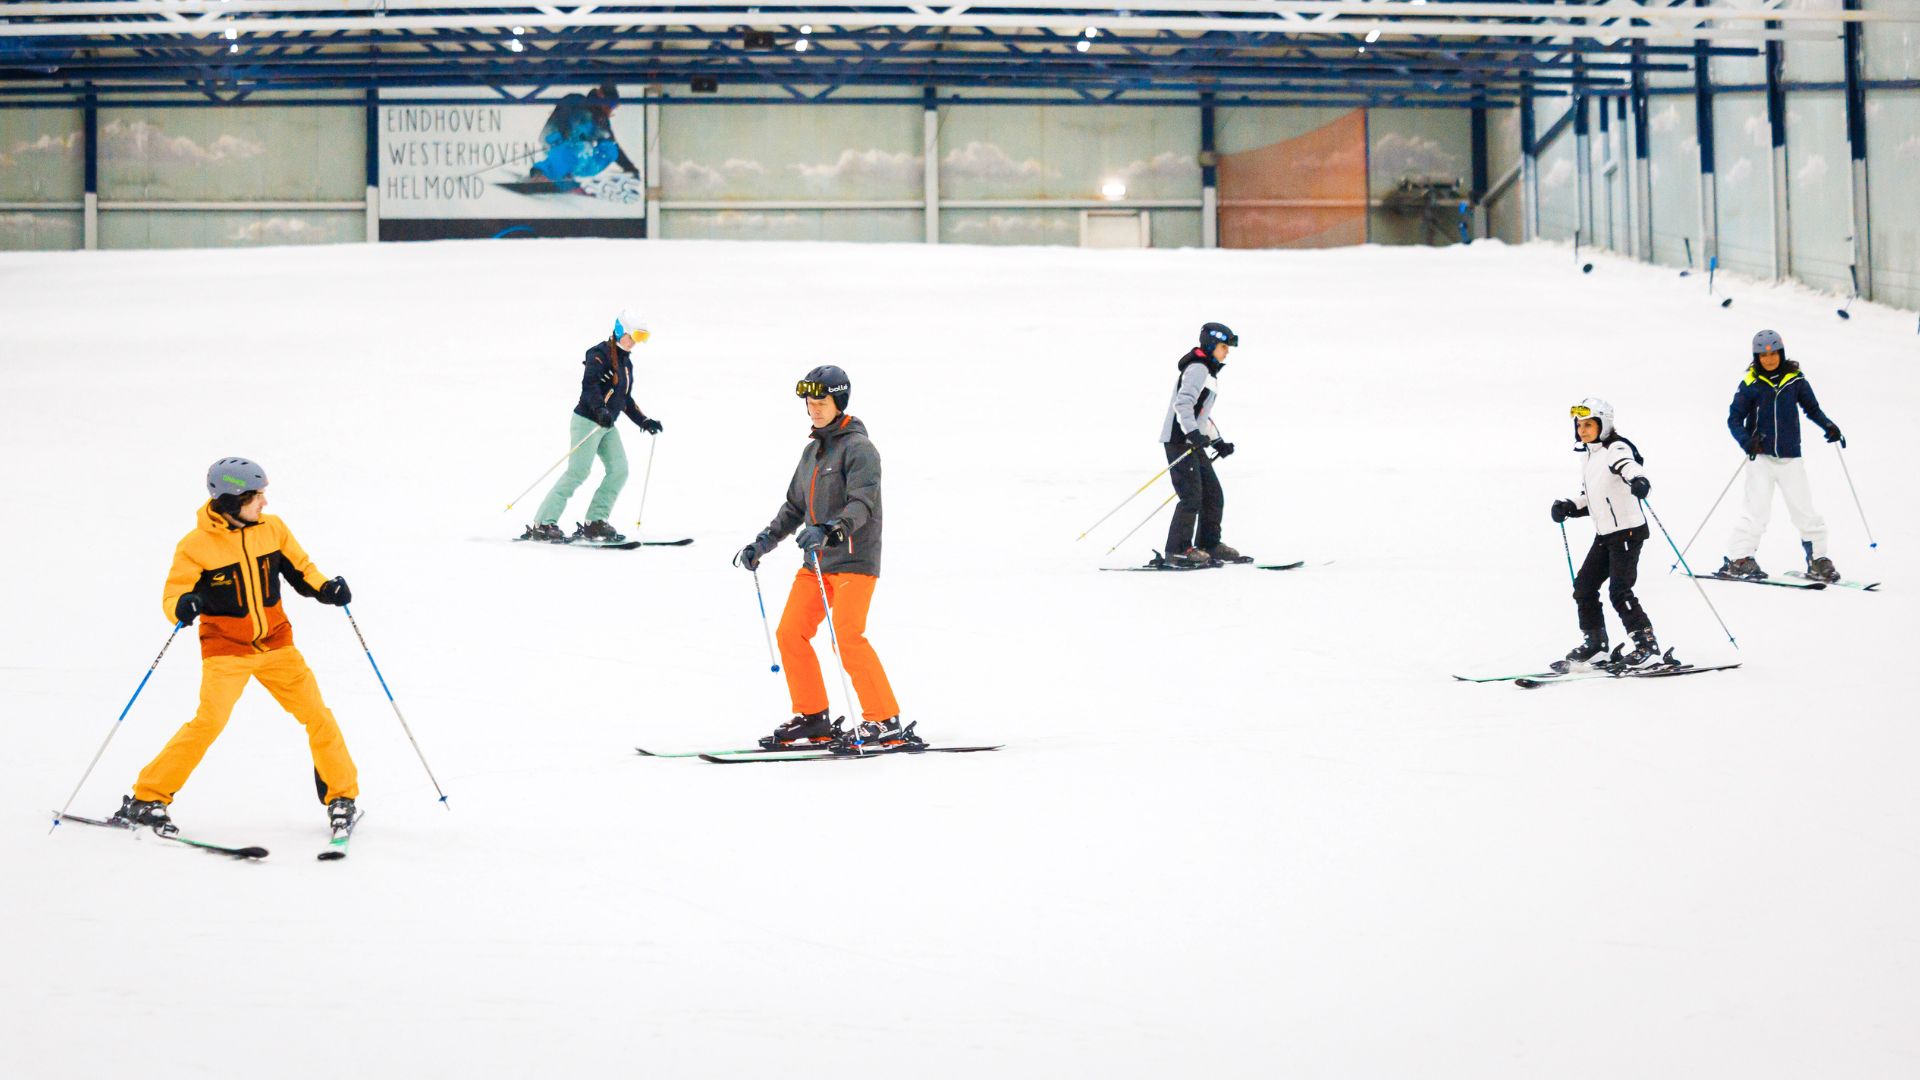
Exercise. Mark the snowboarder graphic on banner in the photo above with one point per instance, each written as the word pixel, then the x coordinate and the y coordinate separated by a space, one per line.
pixel 1765 420
pixel 606 394
pixel 578 139
pixel 1192 444
pixel 1612 485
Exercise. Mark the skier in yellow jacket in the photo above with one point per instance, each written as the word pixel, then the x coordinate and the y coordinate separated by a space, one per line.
pixel 226 573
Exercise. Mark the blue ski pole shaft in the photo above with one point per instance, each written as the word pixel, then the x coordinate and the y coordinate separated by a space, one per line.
pixel 98 754
pixel 351 621
pixel 1871 542
pixel 764 627
pixel 1689 570
pixel 1569 550
pixel 1703 521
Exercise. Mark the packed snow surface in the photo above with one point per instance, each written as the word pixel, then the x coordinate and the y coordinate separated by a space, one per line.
pixel 1245 824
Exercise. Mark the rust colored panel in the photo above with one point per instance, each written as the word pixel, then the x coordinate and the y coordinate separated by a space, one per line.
pixel 1308 191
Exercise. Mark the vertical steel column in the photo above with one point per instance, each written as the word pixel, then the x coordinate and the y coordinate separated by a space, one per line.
pixel 1582 164
pixel 373 166
pixel 1703 124
pixel 930 155
pixel 1209 177
pixel 1777 130
pixel 654 171
pixel 1642 197
pixel 1477 194
pixel 1529 172
pixel 1857 151
pixel 90 198
pixel 1610 166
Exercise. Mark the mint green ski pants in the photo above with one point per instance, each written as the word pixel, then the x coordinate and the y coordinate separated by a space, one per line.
pixel 595 441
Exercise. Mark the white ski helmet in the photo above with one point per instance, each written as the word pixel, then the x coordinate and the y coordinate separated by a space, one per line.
pixel 1596 409
pixel 630 322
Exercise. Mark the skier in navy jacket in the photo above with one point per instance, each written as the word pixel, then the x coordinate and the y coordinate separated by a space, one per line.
pixel 1765 420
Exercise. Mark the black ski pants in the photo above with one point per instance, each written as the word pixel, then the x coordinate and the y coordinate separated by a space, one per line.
pixel 1201 500
pixel 1614 559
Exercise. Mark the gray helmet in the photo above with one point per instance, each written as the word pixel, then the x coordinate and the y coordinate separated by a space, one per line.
pixel 234 476
pixel 827 381
pixel 1769 341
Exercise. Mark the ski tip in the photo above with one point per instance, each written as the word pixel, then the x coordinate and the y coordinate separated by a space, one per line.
pixel 250 853
pixel 331 856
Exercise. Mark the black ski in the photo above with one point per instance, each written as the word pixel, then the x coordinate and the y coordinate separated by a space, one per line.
pixel 217 849
pixel 1809 586
pixel 829 755
pixel 624 545
pixel 743 750
pixel 1663 671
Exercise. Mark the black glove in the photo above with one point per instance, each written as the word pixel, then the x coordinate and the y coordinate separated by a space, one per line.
pixel 1753 445
pixel 749 556
pixel 187 608
pixel 604 417
pixel 1639 485
pixel 1197 439
pixel 651 426
pixel 1833 435
pixel 335 592
pixel 815 537
pixel 1222 448
pixel 1562 510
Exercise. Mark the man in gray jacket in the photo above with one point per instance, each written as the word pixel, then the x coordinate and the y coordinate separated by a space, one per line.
pixel 834 502
pixel 1187 433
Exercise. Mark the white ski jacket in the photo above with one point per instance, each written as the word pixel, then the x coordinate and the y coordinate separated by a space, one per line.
pixel 1604 472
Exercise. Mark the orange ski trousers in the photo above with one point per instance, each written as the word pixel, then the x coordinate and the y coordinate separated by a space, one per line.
pixel 851 595
pixel 285 674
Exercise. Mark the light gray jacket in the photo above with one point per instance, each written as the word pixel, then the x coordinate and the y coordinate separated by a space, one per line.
pixel 1194 396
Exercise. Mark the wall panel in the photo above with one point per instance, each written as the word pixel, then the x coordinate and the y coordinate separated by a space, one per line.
pixel 1743 169
pixel 1819 205
pixel 1893 161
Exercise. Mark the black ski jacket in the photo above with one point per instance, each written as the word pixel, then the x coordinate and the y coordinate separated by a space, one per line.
pixel 608 383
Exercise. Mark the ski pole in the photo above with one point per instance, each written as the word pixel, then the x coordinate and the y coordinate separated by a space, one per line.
pixel 396 705
pixel 550 468
pixel 1135 495
pixel 1143 523
pixel 1569 551
pixel 833 635
pixel 653 443
pixel 97 754
pixel 1871 542
pixel 758 595
pixel 1703 521
pixel 1689 570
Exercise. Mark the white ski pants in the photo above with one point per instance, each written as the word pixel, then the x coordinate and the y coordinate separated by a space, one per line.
pixel 1764 474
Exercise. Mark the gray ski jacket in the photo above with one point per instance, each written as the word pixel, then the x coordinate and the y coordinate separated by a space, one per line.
pixel 838 479
pixel 1194 396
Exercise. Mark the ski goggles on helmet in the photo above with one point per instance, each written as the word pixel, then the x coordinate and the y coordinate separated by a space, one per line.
pixel 811 388
pixel 1580 412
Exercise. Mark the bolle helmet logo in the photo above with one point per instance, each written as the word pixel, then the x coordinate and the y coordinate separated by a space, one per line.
pixel 234 480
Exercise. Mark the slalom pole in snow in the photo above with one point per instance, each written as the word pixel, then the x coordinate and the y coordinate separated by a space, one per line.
pixel 653 443
pixel 1135 495
pixel 833 635
pixel 1689 570
pixel 758 595
pixel 396 705
pixel 1569 551
pixel 1871 542
pixel 1143 523
pixel 97 754
pixel 550 468
pixel 1703 521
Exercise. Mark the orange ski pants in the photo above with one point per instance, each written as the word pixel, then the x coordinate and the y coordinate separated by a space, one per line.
pixel 285 674
pixel 851 594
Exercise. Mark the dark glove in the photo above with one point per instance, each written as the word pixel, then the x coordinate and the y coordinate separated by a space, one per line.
pixel 335 592
pixel 1197 439
pixel 651 426
pixel 1222 448
pixel 604 417
pixel 1562 510
pixel 815 537
pixel 1639 485
pixel 1753 445
pixel 1833 435
pixel 187 608
pixel 749 556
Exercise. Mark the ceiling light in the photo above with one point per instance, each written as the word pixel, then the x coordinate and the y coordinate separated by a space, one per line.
pixel 1373 36
pixel 231 34
pixel 1083 45
pixel 805 29
pixel 1093 31
pixel 518 30
pixel 1113 189
pixel 801 45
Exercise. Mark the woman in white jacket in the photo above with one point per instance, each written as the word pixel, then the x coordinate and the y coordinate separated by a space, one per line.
pixel 1613 484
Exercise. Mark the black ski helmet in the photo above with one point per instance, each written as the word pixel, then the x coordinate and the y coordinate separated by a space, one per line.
pixel 826 381
pixel 1217 334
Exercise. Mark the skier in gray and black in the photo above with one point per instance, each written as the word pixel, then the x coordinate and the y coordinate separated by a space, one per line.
pixel 1188 434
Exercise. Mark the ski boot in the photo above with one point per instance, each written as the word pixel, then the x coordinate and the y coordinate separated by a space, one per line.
pixel 1821 568
pixel 1191 558
pixel 1583 654
pixel 341 814
pixel 597 532
pixel 549 533
pixel 805 729
pixel 1645 654
pixel 869 735
pixel 1226 554
pixel 1744 569
pixel 135 813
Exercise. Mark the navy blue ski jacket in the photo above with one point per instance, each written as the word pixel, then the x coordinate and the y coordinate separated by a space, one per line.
pixel 1770 405
pixel 607 384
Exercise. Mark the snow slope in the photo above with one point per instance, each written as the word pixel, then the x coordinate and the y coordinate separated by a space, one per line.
pixel 1245 825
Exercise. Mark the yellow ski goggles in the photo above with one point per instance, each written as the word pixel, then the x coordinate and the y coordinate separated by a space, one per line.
pixel 810 388
pixel 1580 412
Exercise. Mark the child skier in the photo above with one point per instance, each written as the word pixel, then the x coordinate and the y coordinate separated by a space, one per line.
pixel 1186 434
pixel 1611 489
pixel 606 391
pixel 226 574
pixel 834 500
pixel 1765 421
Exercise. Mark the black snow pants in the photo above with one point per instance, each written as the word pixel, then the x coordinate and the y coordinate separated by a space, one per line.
pixel 1200 499
pixel 1615 559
